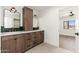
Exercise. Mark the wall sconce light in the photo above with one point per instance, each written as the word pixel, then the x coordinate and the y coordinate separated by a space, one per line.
pixel 71 14
pixel 13 9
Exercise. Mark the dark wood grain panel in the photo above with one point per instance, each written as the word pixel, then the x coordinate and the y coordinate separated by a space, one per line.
pixel 27 19
pixel 8 44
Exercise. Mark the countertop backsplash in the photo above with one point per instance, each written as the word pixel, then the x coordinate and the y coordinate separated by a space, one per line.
pixel 11 29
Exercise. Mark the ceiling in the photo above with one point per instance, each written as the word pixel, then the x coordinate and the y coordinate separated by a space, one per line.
pixel 39 8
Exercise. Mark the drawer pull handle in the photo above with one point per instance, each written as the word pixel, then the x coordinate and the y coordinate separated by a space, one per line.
pixel 29 39
pixel 35 37
pixel 15 38
pixel 34 42
pixel 28 45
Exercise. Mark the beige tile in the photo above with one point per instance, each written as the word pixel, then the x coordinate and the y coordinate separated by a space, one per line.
pixel 67 42
pixel 47 48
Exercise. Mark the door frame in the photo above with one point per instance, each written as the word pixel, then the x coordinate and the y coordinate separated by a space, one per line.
pixel 76 25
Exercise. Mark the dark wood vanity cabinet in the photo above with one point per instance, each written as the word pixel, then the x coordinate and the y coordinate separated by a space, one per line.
pixel 21 42
pixel 27 19
pixel 12 44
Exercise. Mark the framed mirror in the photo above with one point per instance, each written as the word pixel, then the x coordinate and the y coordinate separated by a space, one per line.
pixel 35 22
pixel 11 18
pixel 66 24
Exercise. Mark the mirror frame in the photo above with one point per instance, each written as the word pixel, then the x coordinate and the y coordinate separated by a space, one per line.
pixel 15 12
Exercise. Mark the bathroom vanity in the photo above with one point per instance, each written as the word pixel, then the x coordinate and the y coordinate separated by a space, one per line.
pixel 15 39
pixel 18 42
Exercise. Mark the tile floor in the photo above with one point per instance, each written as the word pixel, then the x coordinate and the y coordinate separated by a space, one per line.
pixel 47 48
pixel 67 42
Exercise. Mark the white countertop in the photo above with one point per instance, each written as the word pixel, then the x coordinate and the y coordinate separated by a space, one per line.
pixel 67 35
pixel 17 32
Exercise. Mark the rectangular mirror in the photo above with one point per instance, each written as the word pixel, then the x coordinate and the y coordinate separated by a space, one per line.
pixel 11 19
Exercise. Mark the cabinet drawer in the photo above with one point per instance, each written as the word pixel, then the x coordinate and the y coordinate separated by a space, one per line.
pixel 36 36
pixel 29 46
pixel 35 43
pixel 7 37
pixel 19 35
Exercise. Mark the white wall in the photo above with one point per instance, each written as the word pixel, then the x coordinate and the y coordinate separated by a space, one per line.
pixel 0 29
pixel 49 23
pixel 77 30
pixel 0 19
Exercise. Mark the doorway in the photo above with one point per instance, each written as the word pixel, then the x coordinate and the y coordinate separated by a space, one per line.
pixel 69 29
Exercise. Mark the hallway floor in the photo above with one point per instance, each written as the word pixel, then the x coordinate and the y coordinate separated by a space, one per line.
pixel 67 42
pixel 47 48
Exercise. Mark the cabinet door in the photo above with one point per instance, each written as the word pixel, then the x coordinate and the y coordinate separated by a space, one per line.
pixel 28 41
pixel 27 19
pixel 41 36
pixel 8 44
pixel 19 43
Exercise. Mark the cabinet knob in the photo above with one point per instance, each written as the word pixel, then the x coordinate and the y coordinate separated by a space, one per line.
pixel 15 38
pixel 35 37
pixel 77 34
pixel 29 39
pixel 28 45
pixel 34 42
